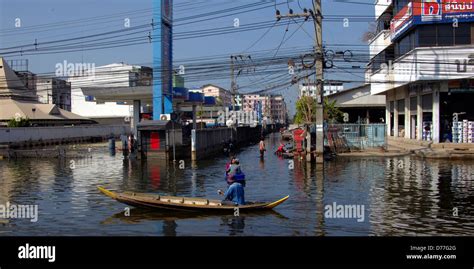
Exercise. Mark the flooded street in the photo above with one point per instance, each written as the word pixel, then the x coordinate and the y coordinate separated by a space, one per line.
pixel 401 196
pixel 404 196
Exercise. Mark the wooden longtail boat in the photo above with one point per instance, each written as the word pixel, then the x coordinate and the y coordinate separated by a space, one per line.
pixel 184 203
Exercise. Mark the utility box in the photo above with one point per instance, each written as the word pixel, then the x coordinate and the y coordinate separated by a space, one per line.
pixel 160 139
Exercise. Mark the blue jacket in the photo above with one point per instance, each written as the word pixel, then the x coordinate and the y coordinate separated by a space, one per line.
pixel 235 193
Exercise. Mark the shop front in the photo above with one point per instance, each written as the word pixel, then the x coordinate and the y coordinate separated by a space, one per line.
pixel 439 112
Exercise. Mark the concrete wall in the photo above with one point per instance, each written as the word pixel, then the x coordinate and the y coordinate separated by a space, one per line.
pixel 248 134
pixel 209 141
pixel 18 135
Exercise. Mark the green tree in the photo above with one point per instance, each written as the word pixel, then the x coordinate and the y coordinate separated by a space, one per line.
pixel 305 110
pixel 19 122
pixel 219 101
pixel 332 113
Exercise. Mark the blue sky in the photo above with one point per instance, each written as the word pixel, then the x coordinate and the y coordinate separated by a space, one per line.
pixel 109 15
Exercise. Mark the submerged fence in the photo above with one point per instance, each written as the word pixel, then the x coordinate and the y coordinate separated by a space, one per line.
pixel 346 137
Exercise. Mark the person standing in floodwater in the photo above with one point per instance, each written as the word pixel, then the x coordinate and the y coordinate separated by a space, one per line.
pixel 262 147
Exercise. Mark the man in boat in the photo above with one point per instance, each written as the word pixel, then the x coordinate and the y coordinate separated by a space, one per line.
pixel 234 194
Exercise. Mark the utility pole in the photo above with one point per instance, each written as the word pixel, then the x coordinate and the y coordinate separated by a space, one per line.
pixel 233 86
pixel 318 26
pixel 233 90
pixel 234 65
pixel 316 14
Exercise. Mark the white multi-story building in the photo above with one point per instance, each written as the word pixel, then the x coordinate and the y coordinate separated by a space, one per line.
pixel 309 89
pixel 422 60
pixel 223 96
pixel 113 75
pixel 272 107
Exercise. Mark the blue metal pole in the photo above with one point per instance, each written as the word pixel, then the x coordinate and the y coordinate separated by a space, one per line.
pixel 162 39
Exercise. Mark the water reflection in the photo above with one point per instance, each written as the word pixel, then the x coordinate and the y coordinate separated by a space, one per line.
pixel 402 196
pixel 236 224
pixel 408 196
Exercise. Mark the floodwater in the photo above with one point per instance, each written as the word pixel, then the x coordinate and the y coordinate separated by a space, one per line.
pixel 403 196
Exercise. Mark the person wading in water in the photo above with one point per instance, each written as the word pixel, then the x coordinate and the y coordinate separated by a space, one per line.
pixel 262 147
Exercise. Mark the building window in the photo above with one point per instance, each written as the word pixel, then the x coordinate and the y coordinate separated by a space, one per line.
pixel 462 34
pixel 413 104
pixel 427 102
pixel 401 106
pixel 427 36
pixel 382 58
pixel 406 44
pixel 445 35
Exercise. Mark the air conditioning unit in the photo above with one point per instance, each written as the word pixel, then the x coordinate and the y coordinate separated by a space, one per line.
pixel 166 117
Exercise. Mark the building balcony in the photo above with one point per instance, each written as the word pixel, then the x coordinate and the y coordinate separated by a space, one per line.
pixel 380 42
pixel 424 64
pixel 381 6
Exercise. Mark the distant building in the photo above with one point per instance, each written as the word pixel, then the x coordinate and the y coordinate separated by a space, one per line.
pixel 51 90
pixel 272 107
pixel 20 68
pixel 19 102
pixel 309 89
pixel 28 79
pixel 332 88
pixel 108 76
pixel 278 109
pixel 223 96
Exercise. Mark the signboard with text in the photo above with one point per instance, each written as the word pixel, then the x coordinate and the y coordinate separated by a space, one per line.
pixel 429 12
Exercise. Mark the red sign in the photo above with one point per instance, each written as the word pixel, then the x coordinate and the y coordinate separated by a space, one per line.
pixel 431 10
pixel 402 20
pixel 459 6
pixel 154 141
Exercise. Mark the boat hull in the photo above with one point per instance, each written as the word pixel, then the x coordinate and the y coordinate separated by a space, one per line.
pixel 174 203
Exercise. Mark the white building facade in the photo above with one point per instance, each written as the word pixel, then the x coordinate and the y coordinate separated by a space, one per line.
pixel 422 60
pixel 108 76
pixel 223 96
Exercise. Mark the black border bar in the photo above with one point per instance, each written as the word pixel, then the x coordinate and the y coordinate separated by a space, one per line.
pixel 241 250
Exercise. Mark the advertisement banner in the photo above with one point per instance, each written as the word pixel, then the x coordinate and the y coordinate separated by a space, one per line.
pixel 430 12
pixel 402 21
